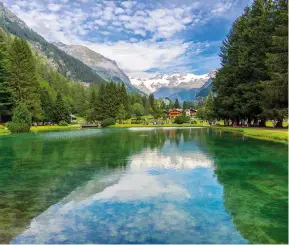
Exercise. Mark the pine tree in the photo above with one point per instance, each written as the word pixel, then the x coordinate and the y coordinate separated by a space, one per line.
pixel 177 104
pixel 47 105
pixel 61 110
pixel 101 102
pixel 151 101
pixel 5 90
pixel 123 98
pixel 93 107
pixel 238 84
pixel 21 120
pixel 23 80
pixel 121 115
pixel 276 89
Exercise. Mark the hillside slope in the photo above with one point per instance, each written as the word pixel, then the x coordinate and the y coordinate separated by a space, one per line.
pixel 65 64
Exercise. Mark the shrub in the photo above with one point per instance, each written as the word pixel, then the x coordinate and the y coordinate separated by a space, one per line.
pixel 193 122
pixel 63 123
pixel 2 127
pixel 182 119
pixel 21 119
pixel 18 127
pixel 107 122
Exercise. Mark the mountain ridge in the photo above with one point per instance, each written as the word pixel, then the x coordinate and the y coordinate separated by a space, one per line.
pixel 65 64
pixel 103 66
pixel 175 86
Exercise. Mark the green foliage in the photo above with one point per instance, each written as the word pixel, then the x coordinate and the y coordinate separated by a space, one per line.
pixel 138 109
pixel 181 120
pixel 22 78
pixel 107 122
pixel 5 91
pixel 61 110
pixel 21 119
pixel 67 65
pixel 18 127
pixel 121 115
pixel 252 82
pixel 201 113
pixel 21 114
pixel 177 104
pixel 63 123
pixel 275 93
pixel 92 114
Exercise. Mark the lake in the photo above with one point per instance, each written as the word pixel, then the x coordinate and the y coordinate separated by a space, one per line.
pixel 146 185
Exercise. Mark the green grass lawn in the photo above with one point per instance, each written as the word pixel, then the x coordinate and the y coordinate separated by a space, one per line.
pixel 273 134
pixel 4 131
pixel 53 128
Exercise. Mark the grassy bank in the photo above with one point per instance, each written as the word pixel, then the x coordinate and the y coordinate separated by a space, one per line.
pixel 53 128
pixel 278 135
pixel 4 131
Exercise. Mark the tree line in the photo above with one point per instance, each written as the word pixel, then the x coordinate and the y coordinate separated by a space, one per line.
pixel 32 91
pixel 252 83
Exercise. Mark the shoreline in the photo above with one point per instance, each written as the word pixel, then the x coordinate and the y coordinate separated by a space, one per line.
pixel 270 134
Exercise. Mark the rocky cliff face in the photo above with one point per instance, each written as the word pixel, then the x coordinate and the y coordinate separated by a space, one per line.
pixel 104 67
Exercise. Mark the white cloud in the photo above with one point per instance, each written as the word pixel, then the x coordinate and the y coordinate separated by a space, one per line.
pixel 137 27
pixel 142 55
pixel 54 7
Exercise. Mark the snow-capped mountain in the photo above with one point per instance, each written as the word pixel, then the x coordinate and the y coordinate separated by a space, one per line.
pixel 181 86
pixel 177 80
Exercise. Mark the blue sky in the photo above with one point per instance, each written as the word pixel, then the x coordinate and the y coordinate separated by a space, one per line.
pixel 144 37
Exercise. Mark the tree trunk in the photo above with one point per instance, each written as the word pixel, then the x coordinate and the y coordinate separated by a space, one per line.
pixel 255 123
pixel 262 123
pixel 279 124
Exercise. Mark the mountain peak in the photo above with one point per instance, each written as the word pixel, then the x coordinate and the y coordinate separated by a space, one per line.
pixel 174 80
pixel 106 68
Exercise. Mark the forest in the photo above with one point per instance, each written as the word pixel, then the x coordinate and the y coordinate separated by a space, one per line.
pixel 34 92
pixel 252 83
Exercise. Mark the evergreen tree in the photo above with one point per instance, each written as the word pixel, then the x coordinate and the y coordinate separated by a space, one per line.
pixel 151 101
pixel 209 108
pixel 21 119
pixel 47 105
pixel 5 91
pixel 276 89
pixel 123 98
pixel 121 115
pixel 101 104
pixel 243 54
pixel 177 104
pixel 23 81
pixel 92 115
pixel 61 110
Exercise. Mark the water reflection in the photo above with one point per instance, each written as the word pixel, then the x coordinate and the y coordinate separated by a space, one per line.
pixel 136 186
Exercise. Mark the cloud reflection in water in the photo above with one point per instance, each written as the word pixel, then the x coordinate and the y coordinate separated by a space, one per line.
pixel 161 197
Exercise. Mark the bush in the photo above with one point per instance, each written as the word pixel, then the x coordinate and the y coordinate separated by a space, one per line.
pixel 21 119
pixel 193 122
pixel 18 127
pixel 63 123
pixel 107 122
pixel 182 119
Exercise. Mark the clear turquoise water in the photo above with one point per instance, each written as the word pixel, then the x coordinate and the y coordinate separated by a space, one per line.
pixel 142 186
